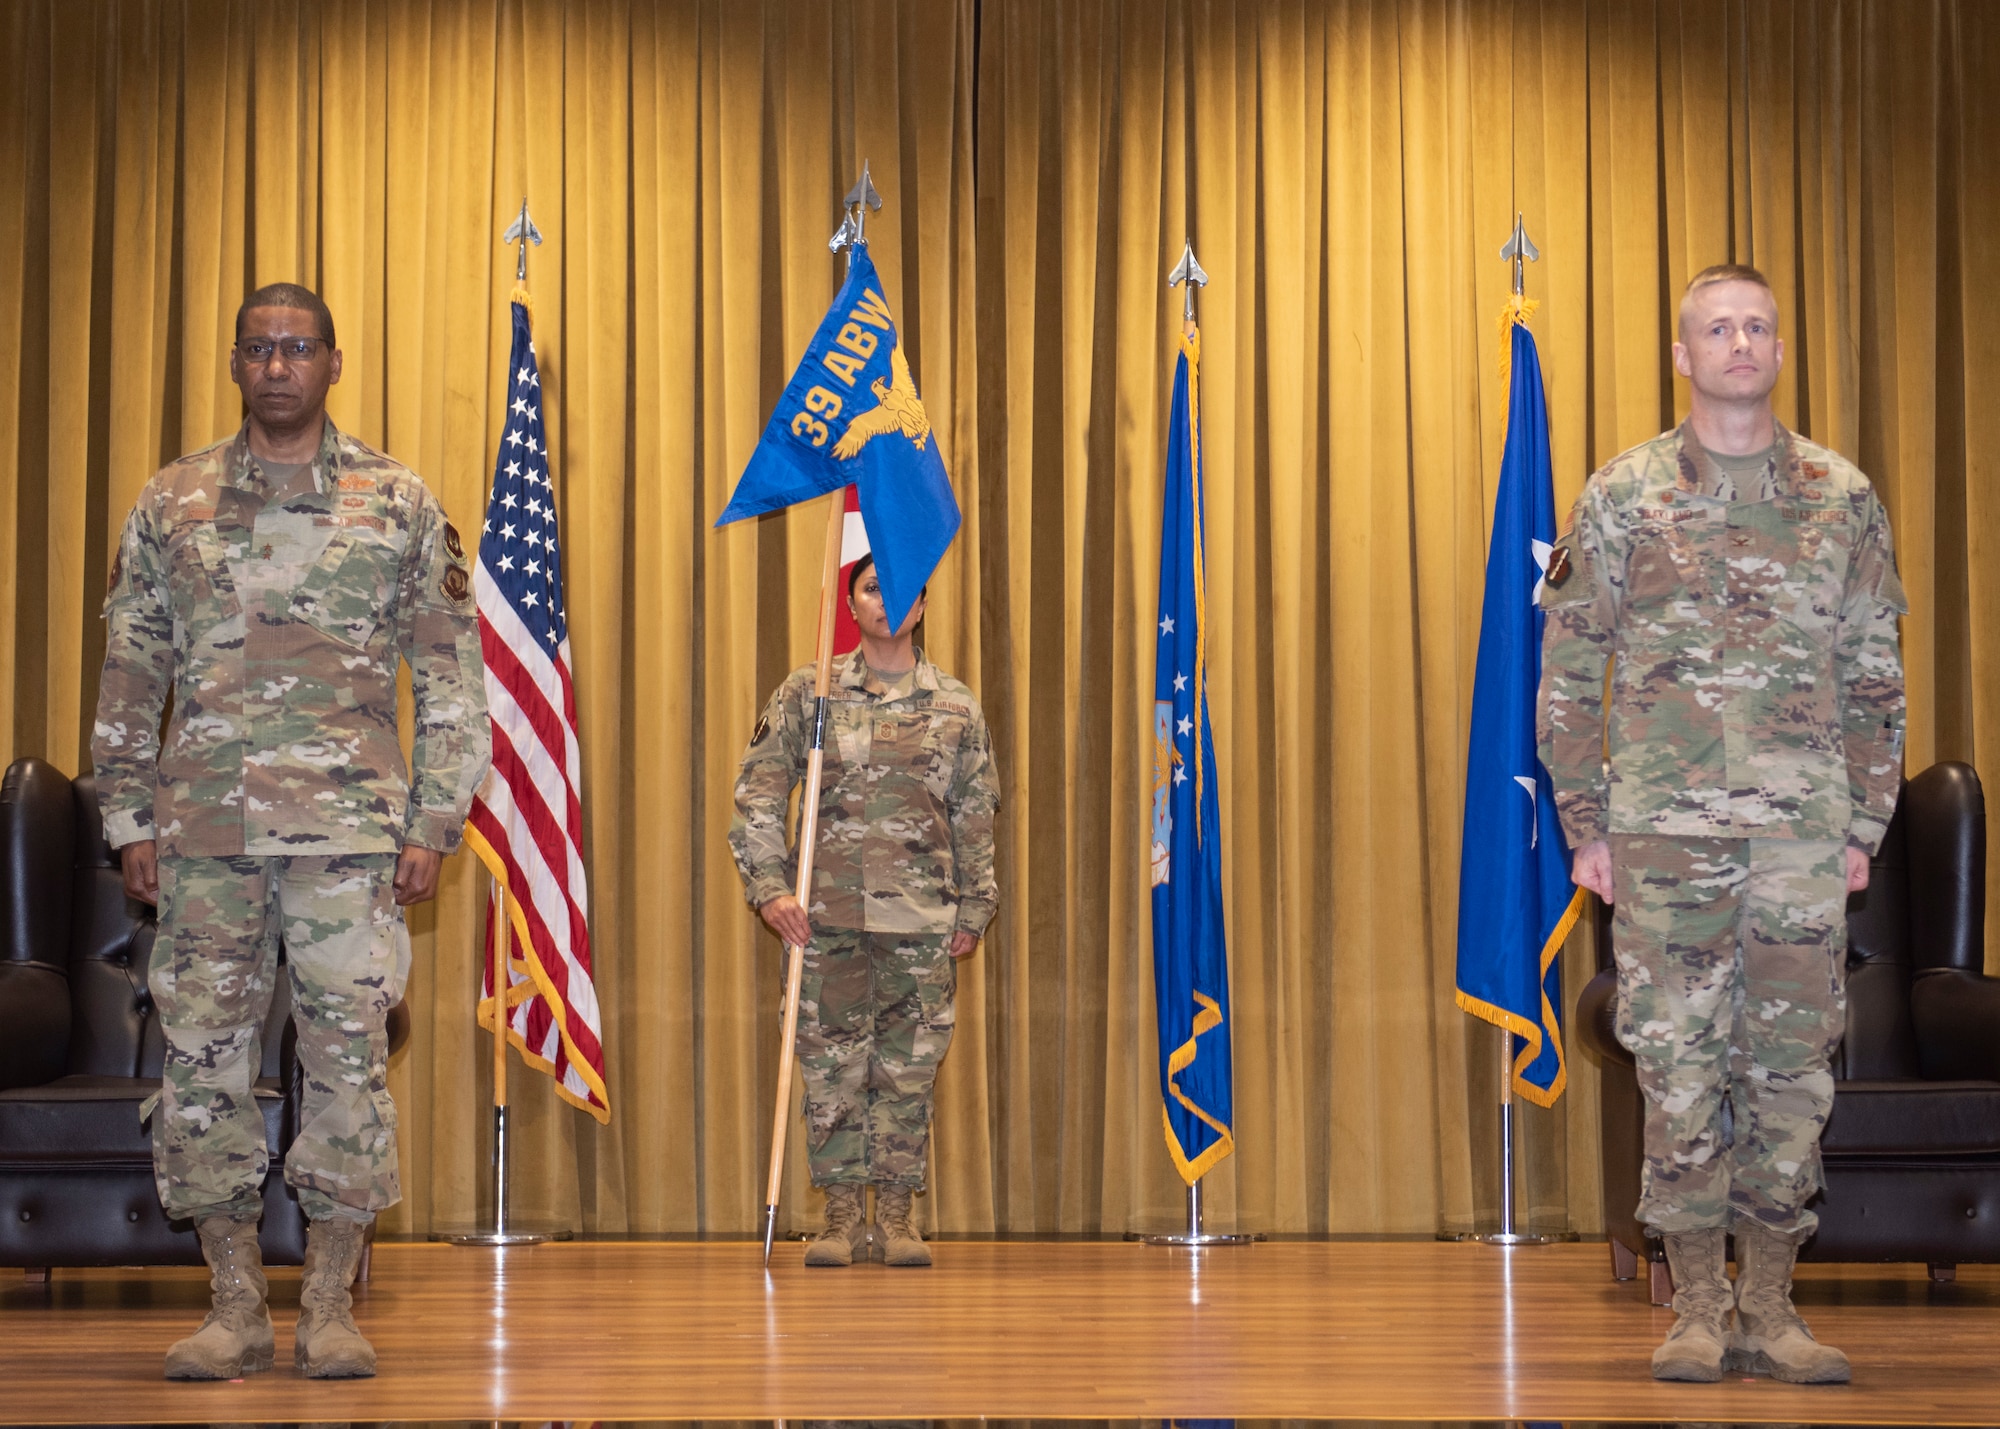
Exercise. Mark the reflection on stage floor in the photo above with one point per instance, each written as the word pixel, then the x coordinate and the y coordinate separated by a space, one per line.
pixel 1315 1332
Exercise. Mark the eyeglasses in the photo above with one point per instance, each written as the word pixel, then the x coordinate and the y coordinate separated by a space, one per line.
pixel 293 349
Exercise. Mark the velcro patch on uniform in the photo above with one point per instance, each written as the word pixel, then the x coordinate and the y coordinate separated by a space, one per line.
pixel 951 704
pixel 376 523
pixel 354 503
pixel 1560 567
pixel 1813 470
pixel 763 728
pixel 1671 514
pixel 1816 515
pixel 117 566
pixel 350 482
pixel 452 543
pixel 454 585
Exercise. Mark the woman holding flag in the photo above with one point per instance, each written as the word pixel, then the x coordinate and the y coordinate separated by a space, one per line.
pixel 902 887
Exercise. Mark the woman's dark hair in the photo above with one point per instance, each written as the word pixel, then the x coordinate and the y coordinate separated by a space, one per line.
pixel 863 564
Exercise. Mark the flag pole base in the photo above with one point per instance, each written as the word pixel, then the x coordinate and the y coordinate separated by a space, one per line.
pixel 505 1230
pixel 1194 1236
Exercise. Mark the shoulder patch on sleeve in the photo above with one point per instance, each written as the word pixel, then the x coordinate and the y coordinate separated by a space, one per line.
pixel 451 542
pixel 763 728
pixel 1561 567
pixel 454 585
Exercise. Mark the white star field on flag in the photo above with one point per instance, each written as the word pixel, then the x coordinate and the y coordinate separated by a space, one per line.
pixel 521 552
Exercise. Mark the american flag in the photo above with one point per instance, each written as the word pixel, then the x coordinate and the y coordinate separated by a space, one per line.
pixel 527 819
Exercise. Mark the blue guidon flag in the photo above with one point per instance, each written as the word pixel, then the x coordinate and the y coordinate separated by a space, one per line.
pixel 851 416
pixel 1190 953
pixel 1516 904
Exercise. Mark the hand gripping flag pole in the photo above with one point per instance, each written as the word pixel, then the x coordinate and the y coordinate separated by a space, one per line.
pixel 851 233
pixel 836 523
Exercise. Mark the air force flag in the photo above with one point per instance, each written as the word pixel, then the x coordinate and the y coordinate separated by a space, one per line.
pixel 1515 900
pixel 1190 956
pixel 851 415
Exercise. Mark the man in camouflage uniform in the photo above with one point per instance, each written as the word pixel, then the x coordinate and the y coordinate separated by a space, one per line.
pixel 1742 582
pixel 271 583
pixel 902 888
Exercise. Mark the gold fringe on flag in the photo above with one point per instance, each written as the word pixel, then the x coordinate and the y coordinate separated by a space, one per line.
pixel 1515 314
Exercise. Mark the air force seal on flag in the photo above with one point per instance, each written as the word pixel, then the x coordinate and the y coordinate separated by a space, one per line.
pixel 1166 757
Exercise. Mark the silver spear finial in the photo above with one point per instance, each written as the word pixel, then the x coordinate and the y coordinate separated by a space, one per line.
pixel 1520 247
pixel 1191 274
pixel 523 232
pixel 854 215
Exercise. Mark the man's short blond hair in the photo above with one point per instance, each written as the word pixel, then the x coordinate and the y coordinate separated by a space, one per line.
pixel 1723 273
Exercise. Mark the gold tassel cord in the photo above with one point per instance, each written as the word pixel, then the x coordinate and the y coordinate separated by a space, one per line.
pixel 1515 314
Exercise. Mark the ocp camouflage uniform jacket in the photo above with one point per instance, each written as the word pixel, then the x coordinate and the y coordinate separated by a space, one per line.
pixel 277 618
pixel 1757 689
pixel 907 799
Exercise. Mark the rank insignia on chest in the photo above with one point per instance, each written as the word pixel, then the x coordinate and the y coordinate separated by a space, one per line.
pixel 1560 567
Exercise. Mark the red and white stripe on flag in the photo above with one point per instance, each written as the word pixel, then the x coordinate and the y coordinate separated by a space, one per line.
pixel 526 823
pixel 853 546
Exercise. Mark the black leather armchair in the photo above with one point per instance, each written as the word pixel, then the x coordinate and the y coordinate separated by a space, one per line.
pixel 1912 1147
pixel 80 1050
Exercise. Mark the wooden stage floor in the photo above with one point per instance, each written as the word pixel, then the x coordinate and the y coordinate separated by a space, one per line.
pixel 1348 1330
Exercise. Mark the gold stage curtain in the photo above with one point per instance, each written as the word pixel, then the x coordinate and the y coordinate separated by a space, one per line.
pixel 1348 173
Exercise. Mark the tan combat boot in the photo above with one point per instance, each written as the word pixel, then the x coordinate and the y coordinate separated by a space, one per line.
pixel 901 1245
pixel 1698 1343
pixel 328 1346
pixel 1770 1337
pixel 236 1338
pixel 846 1230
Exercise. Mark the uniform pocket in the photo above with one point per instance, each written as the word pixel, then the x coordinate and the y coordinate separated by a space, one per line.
pixel 940 752
pixel 201 594
pixel 1816 574
pixel 1669 580
pixel 347 591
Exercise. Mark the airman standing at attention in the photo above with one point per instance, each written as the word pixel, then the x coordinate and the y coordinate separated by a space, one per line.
pixel 902 889
pixel 272 583
pixel 1742 581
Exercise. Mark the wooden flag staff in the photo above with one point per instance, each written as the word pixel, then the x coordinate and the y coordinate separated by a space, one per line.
pixel 861 198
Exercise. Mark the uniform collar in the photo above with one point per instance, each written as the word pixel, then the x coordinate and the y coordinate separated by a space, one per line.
pixel 243 472
pixel 1698 474
pixel 852 672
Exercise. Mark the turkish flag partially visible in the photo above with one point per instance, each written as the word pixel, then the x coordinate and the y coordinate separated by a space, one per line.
pixel 853 546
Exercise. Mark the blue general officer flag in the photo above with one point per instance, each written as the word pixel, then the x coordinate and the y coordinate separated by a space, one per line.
pixel 851 415
pixel 1515 900
pixel 1190 956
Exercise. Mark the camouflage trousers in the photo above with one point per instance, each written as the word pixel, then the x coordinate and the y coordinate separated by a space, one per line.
pixel 1732 997
pixel 875 1020
pixel 214 967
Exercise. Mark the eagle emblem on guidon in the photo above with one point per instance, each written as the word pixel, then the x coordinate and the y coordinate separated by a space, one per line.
pixel 897 409
pixel 1165 757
